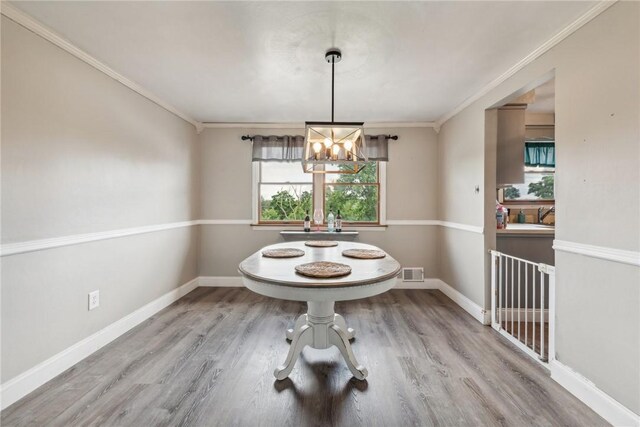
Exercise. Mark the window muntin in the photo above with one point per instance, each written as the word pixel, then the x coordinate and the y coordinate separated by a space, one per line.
pixel 285 193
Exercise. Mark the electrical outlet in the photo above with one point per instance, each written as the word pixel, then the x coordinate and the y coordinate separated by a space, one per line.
pixel 94 300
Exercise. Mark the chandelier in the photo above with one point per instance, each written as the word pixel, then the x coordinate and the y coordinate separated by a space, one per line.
pixel 334 147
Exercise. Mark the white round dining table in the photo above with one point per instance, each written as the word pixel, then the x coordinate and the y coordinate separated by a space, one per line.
pixel 320 327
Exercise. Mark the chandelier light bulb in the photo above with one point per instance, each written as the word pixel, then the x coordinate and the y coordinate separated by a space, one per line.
pixel 328 142
pixel 336 149
pixel 317 147
pixel 348 144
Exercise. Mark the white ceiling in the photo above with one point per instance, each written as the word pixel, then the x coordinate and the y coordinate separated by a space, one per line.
pixel 264 61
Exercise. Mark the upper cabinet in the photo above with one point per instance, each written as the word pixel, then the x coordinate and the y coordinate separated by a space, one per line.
pixel 510 147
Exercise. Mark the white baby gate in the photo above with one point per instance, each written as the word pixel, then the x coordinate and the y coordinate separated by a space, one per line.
pixel 523 304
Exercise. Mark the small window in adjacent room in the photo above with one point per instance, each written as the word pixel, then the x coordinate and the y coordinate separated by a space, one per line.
pixel 539 172
pixel 538 186
pixel 356 196
pixel 285 192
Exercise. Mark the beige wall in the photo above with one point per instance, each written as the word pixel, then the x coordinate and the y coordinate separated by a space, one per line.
pixel 598 167
pixel 82 153
pixel 226 194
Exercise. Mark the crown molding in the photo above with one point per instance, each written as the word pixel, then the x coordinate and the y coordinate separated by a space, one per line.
pixel 546 46
pixel 35 26
pixel 300 125
pixel 43 31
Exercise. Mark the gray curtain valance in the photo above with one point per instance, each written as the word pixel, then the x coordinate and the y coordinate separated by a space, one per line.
pixel 377 148
pixel 273 148
pixel 290 148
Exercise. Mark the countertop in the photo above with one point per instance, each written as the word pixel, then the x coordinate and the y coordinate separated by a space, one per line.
pixel 528 229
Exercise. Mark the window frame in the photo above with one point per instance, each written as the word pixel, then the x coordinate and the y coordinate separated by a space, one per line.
pixel 318 197
pixel 257 200
pixel 372 184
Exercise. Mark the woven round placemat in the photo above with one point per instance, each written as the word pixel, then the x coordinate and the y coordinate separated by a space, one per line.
pixel 323 269
pixel 321 243
pixel 364 253
pixel 282 253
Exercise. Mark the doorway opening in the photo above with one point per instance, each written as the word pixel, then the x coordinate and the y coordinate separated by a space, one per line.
pixel 521 217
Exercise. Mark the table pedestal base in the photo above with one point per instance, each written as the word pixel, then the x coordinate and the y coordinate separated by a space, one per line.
pixel 320 328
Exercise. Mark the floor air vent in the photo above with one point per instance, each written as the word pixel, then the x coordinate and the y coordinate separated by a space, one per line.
pixel 413 274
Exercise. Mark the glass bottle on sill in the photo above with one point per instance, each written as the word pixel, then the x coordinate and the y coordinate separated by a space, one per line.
pixel 338 222
pixel 307 223
pixel 331 225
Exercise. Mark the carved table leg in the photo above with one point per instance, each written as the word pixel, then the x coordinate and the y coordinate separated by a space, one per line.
pixel 339 338
pixel 301 338
pixel 300 321
pixel 339 320
pixel 320 328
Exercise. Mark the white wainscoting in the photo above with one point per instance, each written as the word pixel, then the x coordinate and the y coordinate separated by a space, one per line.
pixel 601 252
pixel 18 387
pixel 596 399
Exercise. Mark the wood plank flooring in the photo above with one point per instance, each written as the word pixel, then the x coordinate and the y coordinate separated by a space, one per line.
pixel 208 360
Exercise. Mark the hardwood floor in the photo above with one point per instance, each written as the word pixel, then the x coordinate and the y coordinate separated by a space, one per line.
pixel 208 360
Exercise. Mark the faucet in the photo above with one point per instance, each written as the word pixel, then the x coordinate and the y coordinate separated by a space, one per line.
pixel 542 216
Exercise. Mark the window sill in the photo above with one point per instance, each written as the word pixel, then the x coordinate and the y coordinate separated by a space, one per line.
pixel 348 229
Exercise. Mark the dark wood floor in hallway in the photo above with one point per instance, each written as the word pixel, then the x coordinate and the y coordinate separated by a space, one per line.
pixel 208 360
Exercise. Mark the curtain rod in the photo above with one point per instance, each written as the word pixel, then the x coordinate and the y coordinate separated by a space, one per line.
pixel 250 138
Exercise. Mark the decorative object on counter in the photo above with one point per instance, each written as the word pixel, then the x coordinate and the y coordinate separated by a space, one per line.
pixel 502 216
pixel 331 222
pixel 364 253
pixel 282 253
pixel 321 243
pixel 521 217
pixel 318 217
pixel 339 222
pixel 307 223
pixel 323 269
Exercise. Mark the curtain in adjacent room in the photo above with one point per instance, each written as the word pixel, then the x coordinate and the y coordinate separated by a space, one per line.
pixel 288 148
pixel 537 153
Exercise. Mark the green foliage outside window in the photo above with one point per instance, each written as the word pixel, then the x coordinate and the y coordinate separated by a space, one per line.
pixel 355 195
pixel 511 193
pixel 542 189
pixel 286 205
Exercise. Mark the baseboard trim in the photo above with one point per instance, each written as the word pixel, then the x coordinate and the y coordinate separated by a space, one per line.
pixel 428 283
pixel 529 312
pixel 220 281
pixel 480 314
pixel 587 392
pixel 16 388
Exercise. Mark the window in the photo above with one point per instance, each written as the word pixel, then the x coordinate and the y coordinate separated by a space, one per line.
pixel 538 186
pixel 283 193
pixel 356 196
